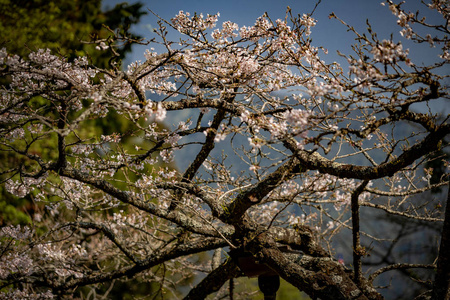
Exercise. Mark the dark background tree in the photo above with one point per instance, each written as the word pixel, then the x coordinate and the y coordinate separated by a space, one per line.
pixel 65 27
pixel 62 26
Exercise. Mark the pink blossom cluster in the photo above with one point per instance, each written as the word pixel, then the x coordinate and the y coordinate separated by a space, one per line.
pixel 12 262
pixel 228 31
pixel 266 212
pixel 336 190
pixel 388 52
pixel 31 76
pixel 261 29
pixel 23 187
pixel 183 23
pixel 61 260
pixel 304 219
pixel 298 120
pixel 404 20
pixel 16 232
pixel 15 134
pixel 364 73
pixel 308 22
pixel 21 294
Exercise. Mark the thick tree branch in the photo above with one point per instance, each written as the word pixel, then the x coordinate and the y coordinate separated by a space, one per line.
pixel 314 161
pixel 398 266
pixel 200 102
pixel 358 251
pixel 109 234
pixel 206 149
pixel 400 213
pixel 192 247
pixel 214 281
pixel 441 288
pixel 301 237
pixel 255 194
pixel 320 277
pixel 174 216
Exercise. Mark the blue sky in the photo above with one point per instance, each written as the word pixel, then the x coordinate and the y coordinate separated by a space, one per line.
pixel 328 33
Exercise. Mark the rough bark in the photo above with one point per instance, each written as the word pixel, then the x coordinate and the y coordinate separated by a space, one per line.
pixel 319 277
pixel 314 161
pixel 358 251
pixel 214 281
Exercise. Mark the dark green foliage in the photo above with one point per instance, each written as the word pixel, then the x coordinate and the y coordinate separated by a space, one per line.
pixel 63 26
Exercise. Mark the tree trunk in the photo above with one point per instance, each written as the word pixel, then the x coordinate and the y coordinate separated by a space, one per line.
pixel 441 289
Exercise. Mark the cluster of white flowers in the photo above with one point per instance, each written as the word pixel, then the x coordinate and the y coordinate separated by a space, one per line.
pixel 184 23
pixel 173 139
pixel 52 253
pixel 122 220
pixel 441 6
pixel 145 182
pixel 294 122
pixel 264 213
pixel 342 199
pixel 112 138
pixel 73 192
pixel 25 186
pixel 308 22
pixel 365 74
pixel 404 20
pixel 256 142
pixel 298 120
pixel 303 219
pixel 29 76
pixel 167 174
pixel 84 149
pixel 260 29
pixel 285 36
pixel 182 125
pixel 276 128
pixel 247 118
pixel 326 187
pixel 166 155
pixel 288 189
pixel 102 46
pixel 3 55
pixel 35 128
pixel 25 294
pixel 246 65
pixel 388 52
pixel 220 136
pixel 18 263
pixel 61 260
pixel 228 31
pixel 16 134
pixel 16 232
pixel 159 113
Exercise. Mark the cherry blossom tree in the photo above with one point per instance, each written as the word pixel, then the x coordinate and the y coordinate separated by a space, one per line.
pixel 283 152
